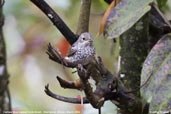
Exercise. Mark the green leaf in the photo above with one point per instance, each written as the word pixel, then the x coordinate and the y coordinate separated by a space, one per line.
pixel 161 3
pixel 157 91
pixel 124 16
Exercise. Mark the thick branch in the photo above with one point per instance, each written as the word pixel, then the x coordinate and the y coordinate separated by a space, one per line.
pixel 127 102
pixel 56 20
pixel 83 23
pixel 133 52
pixel 5 101
pixel 109 87
pixel 95 101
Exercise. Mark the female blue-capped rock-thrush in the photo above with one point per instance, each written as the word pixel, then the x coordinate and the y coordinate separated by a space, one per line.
pixel 82 51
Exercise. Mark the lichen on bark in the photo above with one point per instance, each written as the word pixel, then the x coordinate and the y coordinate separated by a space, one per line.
pixel 133 52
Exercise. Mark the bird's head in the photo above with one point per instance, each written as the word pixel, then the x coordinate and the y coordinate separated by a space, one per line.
pixel 86 39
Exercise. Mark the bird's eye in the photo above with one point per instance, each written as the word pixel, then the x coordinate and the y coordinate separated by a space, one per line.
pixel 83 38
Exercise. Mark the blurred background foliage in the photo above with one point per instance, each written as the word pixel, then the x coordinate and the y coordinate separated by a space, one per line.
pixel 27 32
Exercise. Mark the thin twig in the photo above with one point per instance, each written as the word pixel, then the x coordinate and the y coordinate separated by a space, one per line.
pixel 65 99
pixel 9 98
pixel 99 110
pixel 76 84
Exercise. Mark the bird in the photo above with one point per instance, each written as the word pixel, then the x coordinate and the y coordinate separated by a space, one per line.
pixel 82 51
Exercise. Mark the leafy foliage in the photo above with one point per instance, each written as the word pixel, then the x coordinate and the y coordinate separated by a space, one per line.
pixel 124 16
pixel 158 63
pixel 161 3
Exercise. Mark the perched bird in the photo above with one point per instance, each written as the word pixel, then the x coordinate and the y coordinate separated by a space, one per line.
pixel 82 51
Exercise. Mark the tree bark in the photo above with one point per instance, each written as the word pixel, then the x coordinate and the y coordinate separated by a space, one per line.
pixel 83 24
pixel 56 20
pixel 5 104
pixel 134 49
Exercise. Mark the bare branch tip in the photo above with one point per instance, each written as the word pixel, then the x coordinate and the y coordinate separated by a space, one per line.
pixel 47 87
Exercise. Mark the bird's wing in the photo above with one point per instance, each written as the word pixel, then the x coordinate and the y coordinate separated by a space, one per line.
pixel 72 51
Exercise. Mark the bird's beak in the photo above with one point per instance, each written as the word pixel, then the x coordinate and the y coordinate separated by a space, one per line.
pixel 90 41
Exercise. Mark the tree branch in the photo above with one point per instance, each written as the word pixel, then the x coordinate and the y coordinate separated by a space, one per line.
pixel 95 101
pixel 76 84
pixel 55 56
pixel 65 99
pixel 56 20
pixel 133 52
pixel 83 23
pixel 109 87
pixel 5 101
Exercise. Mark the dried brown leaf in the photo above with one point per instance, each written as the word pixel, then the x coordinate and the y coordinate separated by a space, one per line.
pixel 106 14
